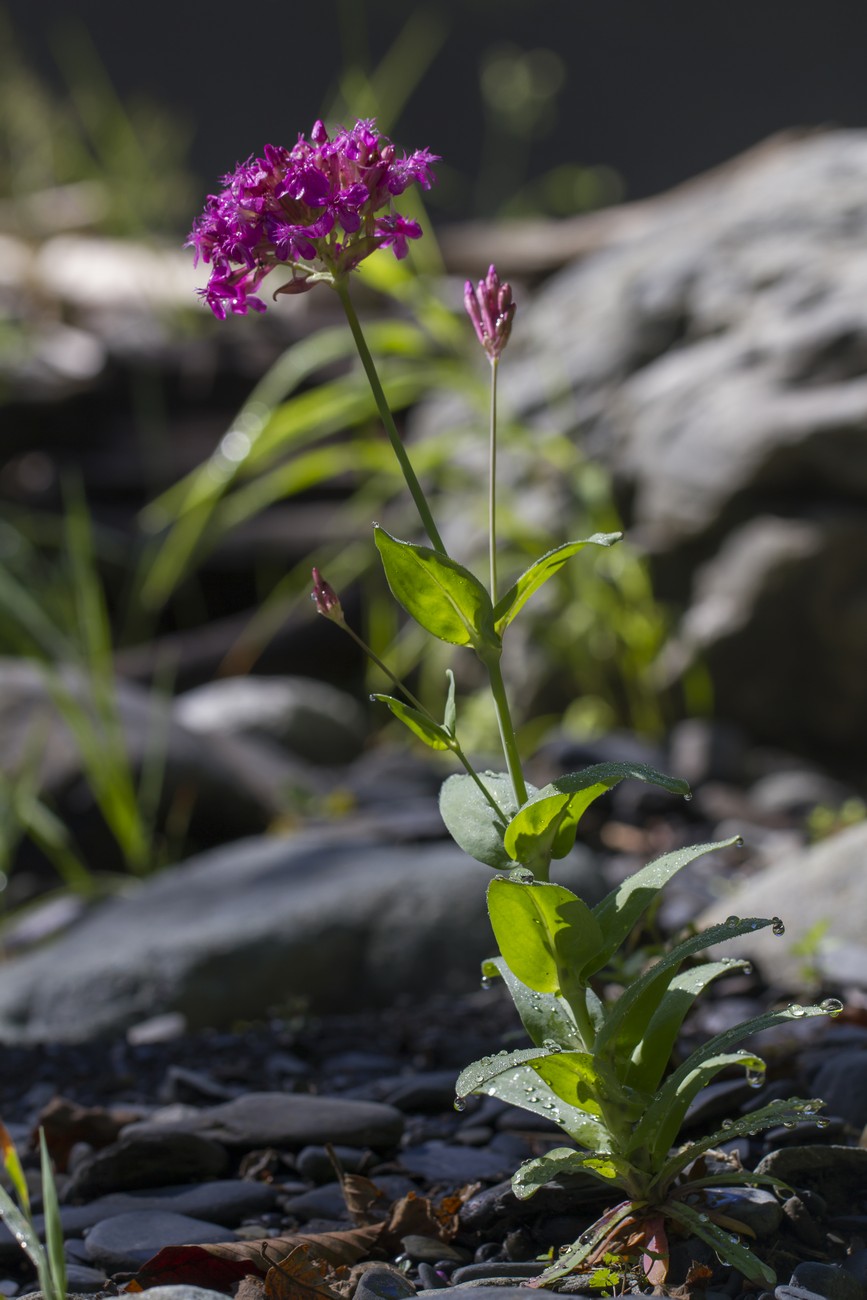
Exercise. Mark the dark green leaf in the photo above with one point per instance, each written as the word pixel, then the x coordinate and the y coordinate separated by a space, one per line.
pixel 545 1017
pixel 560 1162
pixel 735 1254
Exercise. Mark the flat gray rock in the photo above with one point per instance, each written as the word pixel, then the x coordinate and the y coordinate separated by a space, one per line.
pixel 332 916
pixel 279 1119
pixel 125 1242
pixel 823 883
pixel 148 1159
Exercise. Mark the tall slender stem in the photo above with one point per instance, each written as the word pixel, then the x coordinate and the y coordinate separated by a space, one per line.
pixel 507 731
pixel 417 704
pixel 492 482
pixel 387 418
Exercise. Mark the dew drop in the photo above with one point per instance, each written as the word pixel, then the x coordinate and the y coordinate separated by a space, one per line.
pixel 585 1238
pixel 732 921
pixel 702 1218
pixel 734 1239
pixel 687 798
pixel 487 982
pixel 739 842
pixel 755 1076
pixel 777 926
pixel 727 1123
pixel 460 1104
pixel 823 1122
pixel 788 1123
pixel 747 968
pixel 831 1006
pixel 797 1010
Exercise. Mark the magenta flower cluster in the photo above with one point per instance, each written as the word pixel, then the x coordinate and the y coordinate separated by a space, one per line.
pixel 319 208
pixel 491 309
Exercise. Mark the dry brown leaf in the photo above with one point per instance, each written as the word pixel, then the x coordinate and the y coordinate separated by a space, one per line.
pixel 365 1202
pixel 220 1265
pixel 302 1275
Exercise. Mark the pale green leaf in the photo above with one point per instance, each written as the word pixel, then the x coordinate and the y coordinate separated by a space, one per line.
pixel 433 735
pixel 538 573
pixel 544 932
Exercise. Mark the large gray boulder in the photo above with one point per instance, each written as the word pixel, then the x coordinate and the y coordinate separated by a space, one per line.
pixel 333 917
pixel 711 349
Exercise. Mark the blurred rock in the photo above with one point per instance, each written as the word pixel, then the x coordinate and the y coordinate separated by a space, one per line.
pixel 711 349
pixel 334 917
pixel 312 719
pixel 824 883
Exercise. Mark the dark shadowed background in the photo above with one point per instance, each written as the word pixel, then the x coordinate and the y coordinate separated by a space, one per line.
pixel 655 90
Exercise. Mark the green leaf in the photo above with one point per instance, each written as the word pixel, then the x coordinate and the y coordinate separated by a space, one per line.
pixel 627 1019
pixel 532 579
pixel 547 823
pixel 28 1239
pixel 544 932
pixel 12 1162
pixel 620 910
pixel 441 595
pixel 560 1162
pixel 433 735
pixel 472 822
pixel 653 1051
pixel 544 1016
pixel 739 1256
pixel 53 1225
pixel 775 1112
pixel 510 1077
pixel 660 1124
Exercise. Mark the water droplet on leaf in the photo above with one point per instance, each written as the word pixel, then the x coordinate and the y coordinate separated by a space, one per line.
pixel 487 982
pixel 777 926
pixel 797 1010
pixel 732 921
pixel 460 1104
pixel 831 1006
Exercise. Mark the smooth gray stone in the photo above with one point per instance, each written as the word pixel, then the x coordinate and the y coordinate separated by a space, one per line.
pixel 221 1200
pixel 127 1241
pixel 148 1158
pixel 179 1291
pixel 311 718
pixel 314 1164
pixel 757 1208
pixel 442 1162
pixel 841 1082
pixel 331 915
pixel 829 1280
pixel 380 1284
pixel 824 882
pixel 498 1268
pixel 281 1119
pixel 82 1279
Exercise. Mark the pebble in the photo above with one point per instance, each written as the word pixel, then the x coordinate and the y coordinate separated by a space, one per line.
pixel 758 1209
pixel 125 1242
pixel 842 1083
pixel 828 1280
pixel 282 1119
pixel 81 1278
pixel 181 1292
pixel 445 1162
pixel 381 1284
pixel 148 1156
pixel 498 1268
pixel 313 1162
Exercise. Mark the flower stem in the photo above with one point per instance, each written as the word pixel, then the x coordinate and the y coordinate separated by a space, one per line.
pixel 492 483
pixel 417 704
pixel 387 419
pixel 507 731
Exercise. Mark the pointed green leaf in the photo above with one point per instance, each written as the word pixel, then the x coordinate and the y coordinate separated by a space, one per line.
pixel 545 933
pixel 547 823
pixel 733 1252
pixel 775 1112
pixel 433 735
pixel 630 1014
pixel 660 1124
pixel 653 1052
pixel 544 1016
pixel 510 1077
pixel 620 910
pixel 441 595
pixel 53 1226
pixel 472 822
pixel 532 579
pixel 28 1239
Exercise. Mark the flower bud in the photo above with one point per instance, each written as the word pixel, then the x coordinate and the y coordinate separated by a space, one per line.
pixel 326 599
pixel 489 306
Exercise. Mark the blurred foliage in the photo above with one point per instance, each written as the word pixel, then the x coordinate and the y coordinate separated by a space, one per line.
pixel 85 157
pixel 592 637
